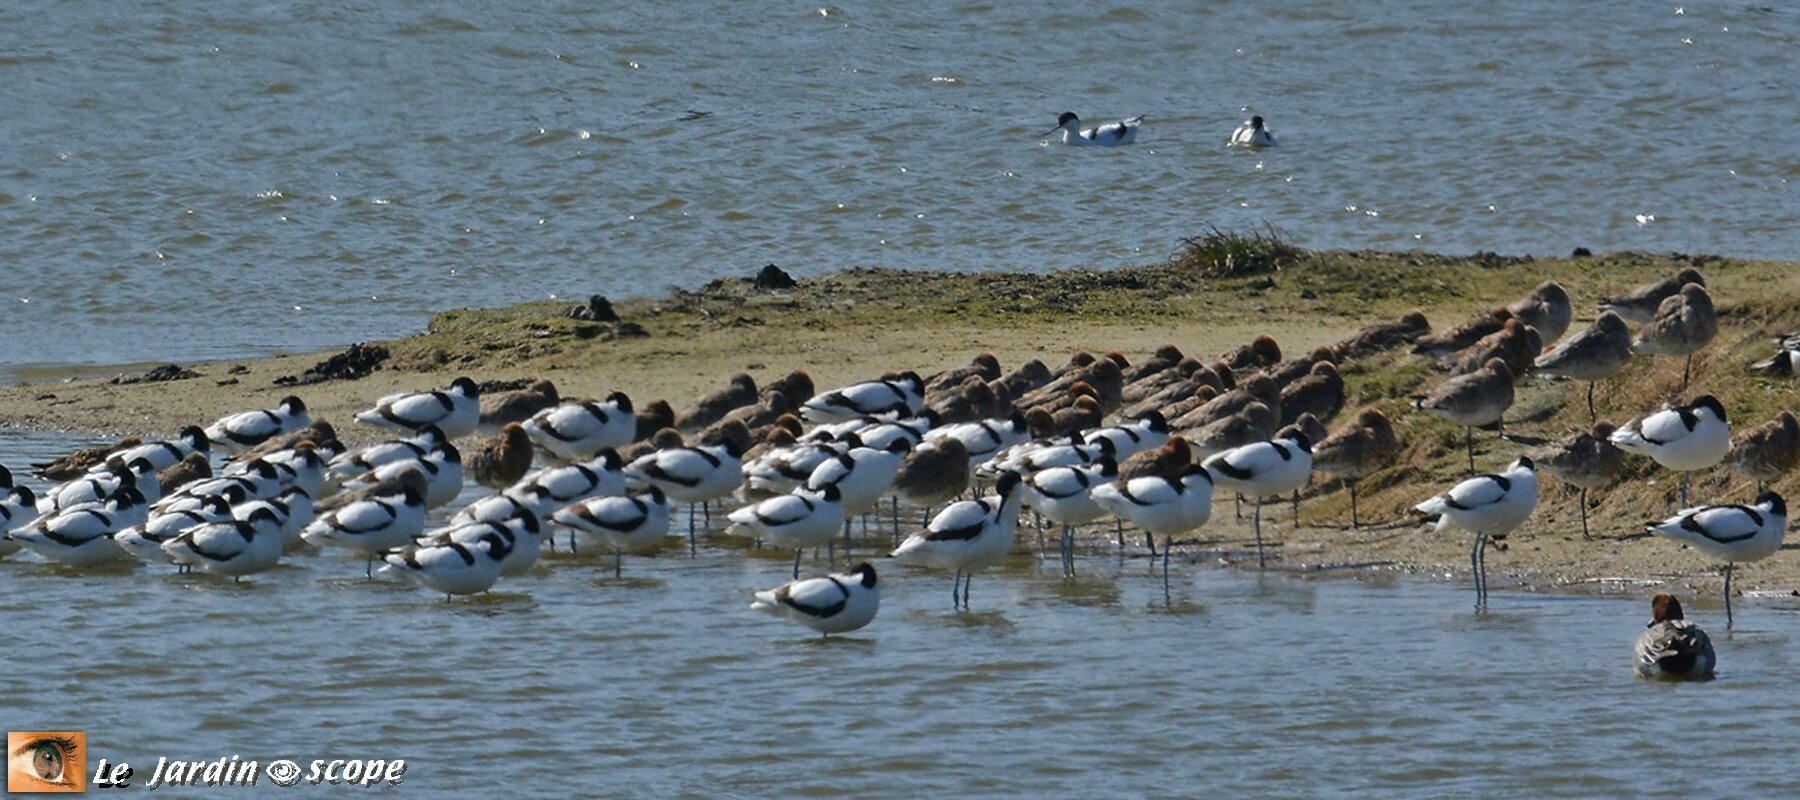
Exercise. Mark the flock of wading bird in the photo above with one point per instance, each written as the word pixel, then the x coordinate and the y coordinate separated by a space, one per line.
pixel 800 464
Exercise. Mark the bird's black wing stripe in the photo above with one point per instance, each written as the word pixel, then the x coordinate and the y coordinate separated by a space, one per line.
pixel 787 599
pixel 962 534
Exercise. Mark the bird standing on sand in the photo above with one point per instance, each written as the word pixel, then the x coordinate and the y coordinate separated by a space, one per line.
pixel 1683 324
pixel 934 472
pixel 1585 460
pixel 1767 451
pixel 739 392
pixel 1684 439
pixel 1731 533
pixel 1490 506
pixel 1478 398
pixel 1113 134
pixel 1597 352
pixel 1672 647
pixel 1252 134
pixel 838 603
pixel 1367 445
pixel 455 411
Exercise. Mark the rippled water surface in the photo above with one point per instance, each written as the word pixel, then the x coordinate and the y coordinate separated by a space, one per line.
pixel 186 181
pixel 570 682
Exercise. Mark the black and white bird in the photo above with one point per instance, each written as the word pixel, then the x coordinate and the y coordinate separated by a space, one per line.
pixel 372 525
pixel 1685 438
pixel 82 535
pixel 1147 432
pixel 1252 134
pixel 785 469
pixel 523 533
pixel 1064 495
pixel 580 430
pixel 1489 506
pixel 1730 533
pixel 93 487
pixel 258 480
pixel 799 520
pixel 455 411
pixel 1785 362
pixel 238 432
pixel 451 567
pixel 862 474
pixel 534 499
pixel 692 475
pixel 629 522
pixel 1043 454
pixel 293 508
pixel 442 469
pixel 1161 505
pixel 1112 134
pixel 967 536
pixel 985 438
pixel 163 454
pixel 1264 469
pixel 234 547
pixel 351 464
pixel 1672 647
pixel 904 393
pixel 18 508
pixel 145 541
pixel 602 475
pixel 301 466
pixel 838 603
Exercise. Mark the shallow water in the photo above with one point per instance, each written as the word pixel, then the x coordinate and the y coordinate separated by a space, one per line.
pixel 568 681
pixel 187 183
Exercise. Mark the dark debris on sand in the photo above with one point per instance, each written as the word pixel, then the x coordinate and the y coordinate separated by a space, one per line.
pixel 357 361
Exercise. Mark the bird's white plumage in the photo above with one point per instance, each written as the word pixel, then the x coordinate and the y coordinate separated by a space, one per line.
pixel 968 535
pixel 372 524
pixel 984 438
pixel 1112 134
pixel 803 519
pixel 690 474
pixel 1682 439
pixel 1262 469
pixel 455 410
pixel 630 522
pixel 145 541
pixel 1730 533
pixel 1488 504
pixel 1158 504
pixel 906 393
pixel 442 470
pixel 863 475
pixel 837 603
pixel 238 432
pixel 453 567
pixel 580 430
pixel 353 463
pixel 1065 494
pixel 523 536
pixel 230 547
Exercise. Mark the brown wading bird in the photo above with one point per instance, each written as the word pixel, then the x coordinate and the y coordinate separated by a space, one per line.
pixel 192 468
pixel 1586 460
pixel 665 439
pixel 1367 445
pixel 1186 405
pixel 934 472
pixel 1472 400
pixel 1261 352
pixel 1168 461
pixel 653 417
pixel 971 401
pixel 1294 369
pixel 796 387
pixel 1767 451
pixel 519 404
pixel 1252 423
pixel 984 366
pixel 1164 358
pixel 1309 426
pixel 500 460
pixel 1683 324
pixel 741 391
pixel 1259 389
pixel 1546 309
pixel 1597 352
pixel 393 484
pixel 1640 304
pixel 1173 390
pixel 1444 343
pixel 1515 343
pixel 1384 336
pixel 76 464
pixel 1320 393
pixel 1150 385
pixel 757 415
pixel 1030 375
pixel 1672 647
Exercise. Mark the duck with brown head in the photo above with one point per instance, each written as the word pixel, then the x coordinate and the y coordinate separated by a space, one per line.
pixel 1672 647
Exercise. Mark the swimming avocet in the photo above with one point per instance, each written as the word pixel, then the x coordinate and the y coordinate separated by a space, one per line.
pixel 1112 134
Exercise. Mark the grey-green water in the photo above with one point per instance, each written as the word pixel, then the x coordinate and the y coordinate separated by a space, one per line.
pixel 568 682
pixel 296 175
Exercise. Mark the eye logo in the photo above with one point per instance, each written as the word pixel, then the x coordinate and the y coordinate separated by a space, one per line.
pixel 46 761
